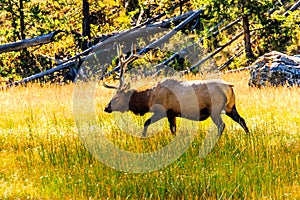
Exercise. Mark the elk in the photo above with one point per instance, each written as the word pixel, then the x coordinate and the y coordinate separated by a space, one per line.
pixel 172 98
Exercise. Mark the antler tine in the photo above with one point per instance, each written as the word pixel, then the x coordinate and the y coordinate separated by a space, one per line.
pixel 123 63
pixel 131 57
pixel 109 86
pixel 132 46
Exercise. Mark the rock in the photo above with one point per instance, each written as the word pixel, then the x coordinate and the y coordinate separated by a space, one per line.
pixel 275 69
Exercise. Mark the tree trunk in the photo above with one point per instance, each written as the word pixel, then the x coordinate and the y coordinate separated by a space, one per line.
pixel 22 23
pixel 247 36
pixel 86 28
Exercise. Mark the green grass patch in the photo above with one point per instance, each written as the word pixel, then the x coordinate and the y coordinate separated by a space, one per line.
pixel 42 155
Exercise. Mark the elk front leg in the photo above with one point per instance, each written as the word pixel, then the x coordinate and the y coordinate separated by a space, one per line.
pixel 159 113
pixel 172 122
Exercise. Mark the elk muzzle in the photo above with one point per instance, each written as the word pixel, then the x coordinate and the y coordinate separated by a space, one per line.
pixel 108 108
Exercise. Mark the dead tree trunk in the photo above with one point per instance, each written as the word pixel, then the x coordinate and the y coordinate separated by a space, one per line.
pixel 159 41
pixel 247 36
pixel 87 53
pixel 293 8
pixel 86 27
pixel 212 54
pixel 22 20
pixel 15 46
pixel 42 74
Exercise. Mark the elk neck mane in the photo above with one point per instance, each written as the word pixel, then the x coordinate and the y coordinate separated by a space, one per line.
pixel 139 101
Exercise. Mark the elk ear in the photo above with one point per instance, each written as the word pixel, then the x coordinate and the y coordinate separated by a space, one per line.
pixel 126 86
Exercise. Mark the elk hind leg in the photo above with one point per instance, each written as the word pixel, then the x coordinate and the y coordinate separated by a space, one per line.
pixel 219 122
pixel 233 114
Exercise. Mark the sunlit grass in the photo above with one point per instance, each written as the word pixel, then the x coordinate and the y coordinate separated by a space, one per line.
pixel 42 155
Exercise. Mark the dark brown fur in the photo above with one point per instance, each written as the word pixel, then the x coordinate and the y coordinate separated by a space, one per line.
pixel 139 102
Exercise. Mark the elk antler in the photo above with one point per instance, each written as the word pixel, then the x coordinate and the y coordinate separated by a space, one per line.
pixel 109 86
pixel 123 63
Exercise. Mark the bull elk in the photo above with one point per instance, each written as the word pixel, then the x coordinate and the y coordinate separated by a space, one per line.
pixel 172 98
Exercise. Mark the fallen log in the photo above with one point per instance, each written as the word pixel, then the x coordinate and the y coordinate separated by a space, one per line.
pixel 174 20
pixel 184 51
pixel 292 9
pixel 116 38
pixel 42 74
pixel 15 46
pixel 231 59
pixel 88 54
pixel 159 41
pixel 211 55
pixel 275 69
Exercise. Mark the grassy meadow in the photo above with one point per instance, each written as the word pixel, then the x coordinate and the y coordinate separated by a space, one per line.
pixel 43 157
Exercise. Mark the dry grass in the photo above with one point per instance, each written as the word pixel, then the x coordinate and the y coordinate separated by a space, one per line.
pixel 42 155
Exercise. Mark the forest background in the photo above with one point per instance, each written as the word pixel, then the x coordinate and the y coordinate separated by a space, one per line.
pixel 85 23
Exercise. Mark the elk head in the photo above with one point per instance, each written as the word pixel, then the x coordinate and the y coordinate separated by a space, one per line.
pixel 120 102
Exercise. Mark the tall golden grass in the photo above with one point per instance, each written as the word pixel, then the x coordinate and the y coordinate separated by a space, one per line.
pixel 42 155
